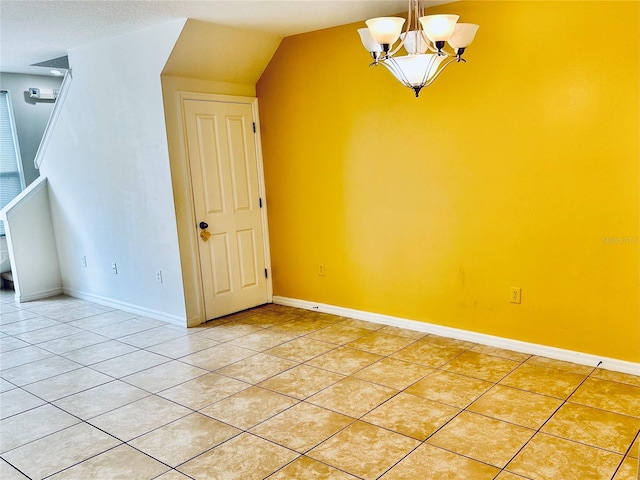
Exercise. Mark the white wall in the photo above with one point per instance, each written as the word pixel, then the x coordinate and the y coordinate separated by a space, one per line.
pixel 32 245
pixel 31 116
pixel 109 177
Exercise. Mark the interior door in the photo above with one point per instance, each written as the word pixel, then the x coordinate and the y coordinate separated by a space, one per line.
pixel 226 193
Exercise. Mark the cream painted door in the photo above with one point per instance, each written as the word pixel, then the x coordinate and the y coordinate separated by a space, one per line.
pixel 225 179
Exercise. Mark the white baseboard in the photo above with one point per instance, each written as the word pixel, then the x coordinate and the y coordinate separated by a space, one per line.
pixel 475 337
pixel 127 307
pixel 52 292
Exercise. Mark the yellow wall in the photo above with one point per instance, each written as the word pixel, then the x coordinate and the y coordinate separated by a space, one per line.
pixel 520 168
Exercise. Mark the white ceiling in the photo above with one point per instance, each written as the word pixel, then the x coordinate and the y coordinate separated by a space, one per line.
pixel 33 31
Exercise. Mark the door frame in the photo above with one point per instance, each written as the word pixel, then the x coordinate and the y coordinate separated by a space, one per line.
pixel 189 225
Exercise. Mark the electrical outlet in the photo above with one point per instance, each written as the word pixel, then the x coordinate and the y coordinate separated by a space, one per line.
pixel 321 270
pixel 84 261
pixel 114 268
pixel 159 276
pixel 516 295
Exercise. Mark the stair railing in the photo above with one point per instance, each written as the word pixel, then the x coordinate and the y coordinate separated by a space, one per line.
pixel 53 119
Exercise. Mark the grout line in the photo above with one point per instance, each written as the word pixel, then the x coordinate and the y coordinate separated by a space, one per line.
pixel 14 467
pixel 88 458
pixel 550 417
pixel 626 453
pixel 424 442
pixel 304 455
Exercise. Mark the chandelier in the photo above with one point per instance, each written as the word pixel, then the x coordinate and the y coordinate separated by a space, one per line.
pixel 423 34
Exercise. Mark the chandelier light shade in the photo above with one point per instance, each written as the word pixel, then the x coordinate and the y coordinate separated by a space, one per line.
pixel 463 35
pixel 368 41
pixel 416 69
pixel 423 33
pixel 385 30
pixel 439 28
pixel 413 42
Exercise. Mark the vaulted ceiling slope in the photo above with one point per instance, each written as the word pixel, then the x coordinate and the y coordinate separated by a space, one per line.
pixel 221 53
pixel 33 31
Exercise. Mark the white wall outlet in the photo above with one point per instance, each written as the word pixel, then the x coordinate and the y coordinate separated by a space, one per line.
pixel 114 268
pixel 321 270
pixel 159 276
pixel 84 261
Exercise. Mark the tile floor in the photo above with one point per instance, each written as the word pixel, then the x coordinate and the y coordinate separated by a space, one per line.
pixel 89 392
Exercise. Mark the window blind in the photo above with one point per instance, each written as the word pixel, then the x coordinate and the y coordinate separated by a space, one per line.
pixel 11 176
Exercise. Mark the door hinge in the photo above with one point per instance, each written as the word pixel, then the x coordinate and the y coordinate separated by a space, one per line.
pixel 260 202
pixel 254 127
pixel 265 273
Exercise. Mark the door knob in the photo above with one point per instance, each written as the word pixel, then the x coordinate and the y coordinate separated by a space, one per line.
pixel 204 225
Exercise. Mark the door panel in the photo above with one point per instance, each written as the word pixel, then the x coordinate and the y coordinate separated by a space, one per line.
pixel 224 170
pixel 238 156
pixel 248 267
pixel 219 251
pixel 209 164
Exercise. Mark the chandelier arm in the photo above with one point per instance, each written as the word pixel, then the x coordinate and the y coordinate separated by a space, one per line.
pixel 416 14
pixel 427 42
pixel 395 50
pixel 418 25
pixel 425 77
pixel 406 32
pixel 439 71
pixel 395 70
pixel 448 54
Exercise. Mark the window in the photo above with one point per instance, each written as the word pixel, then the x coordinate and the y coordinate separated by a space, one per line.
pixel 11 176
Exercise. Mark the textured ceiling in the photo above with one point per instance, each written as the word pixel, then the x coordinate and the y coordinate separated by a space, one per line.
pixel 33 31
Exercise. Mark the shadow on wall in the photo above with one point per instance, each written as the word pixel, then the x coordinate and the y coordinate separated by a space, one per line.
pixel 5 265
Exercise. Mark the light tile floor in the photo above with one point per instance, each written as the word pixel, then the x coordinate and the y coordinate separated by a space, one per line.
pixel 88 392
